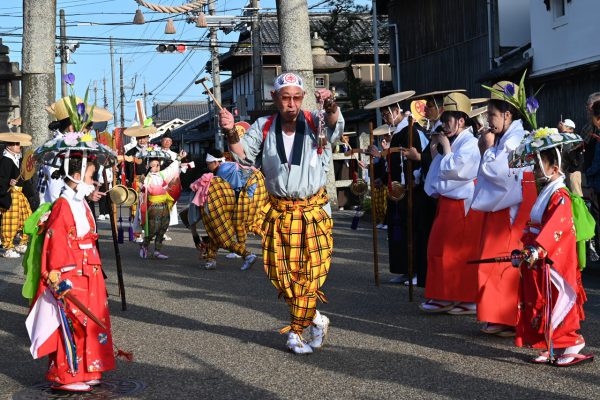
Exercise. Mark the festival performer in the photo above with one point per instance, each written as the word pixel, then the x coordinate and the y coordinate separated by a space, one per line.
pixel 227 213
pixel 380 190
pixel 396 179
pixel 505 195
pixel 14 206
pixel 156 198
pixel 293 148
pixel 166 141
pixel 69 320
pixel 551 294
pixel 135 171
pixel 452 284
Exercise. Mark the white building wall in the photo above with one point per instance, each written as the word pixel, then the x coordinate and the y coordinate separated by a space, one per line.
pixel 562 42
pixel 513 23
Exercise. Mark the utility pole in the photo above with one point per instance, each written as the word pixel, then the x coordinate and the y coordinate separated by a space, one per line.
pixel 114 85
pixel 39 36
pixel 123 95
pixel 376 58
pixel 294 41
pixel 256 57
pixel 216 72
pixel 95 92
pixel 145 94
pixel 63 53
pixel 104 92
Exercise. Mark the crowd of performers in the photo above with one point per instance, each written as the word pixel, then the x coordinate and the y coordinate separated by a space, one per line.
pixel 497 233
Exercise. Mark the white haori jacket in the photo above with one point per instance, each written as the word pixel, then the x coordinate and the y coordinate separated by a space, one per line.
pixel 498 186
pixel 453 175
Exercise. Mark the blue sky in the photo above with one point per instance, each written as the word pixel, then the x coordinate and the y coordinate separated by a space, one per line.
pixel 165 75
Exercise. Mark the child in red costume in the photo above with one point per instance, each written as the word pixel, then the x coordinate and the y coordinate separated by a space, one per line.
pixel 551 295
pixel 79 349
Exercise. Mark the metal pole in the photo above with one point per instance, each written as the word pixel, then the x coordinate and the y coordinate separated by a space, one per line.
pixel 104 93
pixel 114 85
pixel 256 57
pixel 123 95
pixel 145 100
pixel 63 53
pixel 397 47
pixel 376 58
pixel 372 185
pixel 216 72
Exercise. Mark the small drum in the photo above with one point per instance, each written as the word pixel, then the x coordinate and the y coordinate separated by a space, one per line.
pixel 397 191
pixel 359 187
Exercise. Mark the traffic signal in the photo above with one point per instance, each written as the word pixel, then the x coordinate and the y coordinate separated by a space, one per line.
pixel 171 48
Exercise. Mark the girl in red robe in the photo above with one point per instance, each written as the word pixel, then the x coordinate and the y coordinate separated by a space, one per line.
pixel 79 349
pixel 551 295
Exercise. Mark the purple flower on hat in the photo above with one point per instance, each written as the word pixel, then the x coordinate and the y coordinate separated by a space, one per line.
pixel 69 79
pixel 532 105
pixel 81 109
pixel 509 90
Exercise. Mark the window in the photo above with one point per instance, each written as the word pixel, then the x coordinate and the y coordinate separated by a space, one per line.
pixel 321 81
pixel 558 8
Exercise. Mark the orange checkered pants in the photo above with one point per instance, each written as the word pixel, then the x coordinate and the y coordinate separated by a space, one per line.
pixel 379 203
pixel 14 218
pixel 218 220
pixel 248 215
pixel 297 248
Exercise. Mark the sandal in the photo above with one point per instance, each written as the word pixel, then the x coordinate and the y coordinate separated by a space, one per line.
pixel 508 331
pixel 542 358
pixel 434 307
pixel 576 359
pixel 491 328
pixel 463 309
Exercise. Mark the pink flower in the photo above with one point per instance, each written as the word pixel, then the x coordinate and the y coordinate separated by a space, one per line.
pixel 71 138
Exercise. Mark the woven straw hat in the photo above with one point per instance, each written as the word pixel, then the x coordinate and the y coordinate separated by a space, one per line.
pixel 389 100
pixel 457 102
pixel 11 137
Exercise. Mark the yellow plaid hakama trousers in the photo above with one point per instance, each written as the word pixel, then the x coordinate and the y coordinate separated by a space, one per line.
pixel 248 215
pixel 14 218
pixel 297 248
pixel 379 203
pixel 218 221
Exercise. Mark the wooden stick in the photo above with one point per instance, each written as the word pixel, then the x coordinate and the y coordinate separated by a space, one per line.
pixel 372 178
pixel 209 93
pixel 410 221
pixel 113 227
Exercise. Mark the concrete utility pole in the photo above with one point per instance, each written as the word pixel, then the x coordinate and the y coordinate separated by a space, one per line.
pixel 114 85
pixel 123 95
pixel 294 42
pixel 105 97
pixel 256 57
pixel 39 36
pixel 216 72
pixel 63 52
pixel 376 59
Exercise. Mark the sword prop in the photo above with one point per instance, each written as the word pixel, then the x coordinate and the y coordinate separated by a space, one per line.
pixel 492 260
pixel 84 309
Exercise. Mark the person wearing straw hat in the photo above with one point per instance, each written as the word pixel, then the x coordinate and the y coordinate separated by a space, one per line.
pixel 505 195
pixel 452 284
pixel 79 348
pixel 166 141
pixel 551 294
pixel 156 201
pixel 134 172
pixel 397 209
pixel 293 147
pixel 14 206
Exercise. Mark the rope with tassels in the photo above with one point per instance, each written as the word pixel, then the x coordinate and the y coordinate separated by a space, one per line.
pixel 172 9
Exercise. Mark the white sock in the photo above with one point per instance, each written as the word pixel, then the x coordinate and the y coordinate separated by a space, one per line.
pixel 570 350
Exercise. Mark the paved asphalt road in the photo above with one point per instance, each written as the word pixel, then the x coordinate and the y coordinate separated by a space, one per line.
pixel 213 334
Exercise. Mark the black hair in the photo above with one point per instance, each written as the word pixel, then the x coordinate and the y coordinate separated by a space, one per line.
pixel 596 109
pixel 149 161
pixel 216 153
pixel 61 125
pixel 469 122
pixel 75 164
pixel 503 106
pixel 550 155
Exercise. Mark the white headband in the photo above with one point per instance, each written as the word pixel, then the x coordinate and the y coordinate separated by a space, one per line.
pixel 287 79
pixel 211 158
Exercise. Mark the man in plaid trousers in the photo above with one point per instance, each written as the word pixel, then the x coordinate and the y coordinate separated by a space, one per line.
pixel 14 206
pixel 294 155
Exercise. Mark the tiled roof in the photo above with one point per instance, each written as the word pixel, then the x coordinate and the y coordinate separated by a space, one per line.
pixel 269 33
pixel 186 111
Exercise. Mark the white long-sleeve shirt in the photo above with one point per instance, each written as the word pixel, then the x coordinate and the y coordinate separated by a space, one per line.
pixel 452 175
pixel 498 186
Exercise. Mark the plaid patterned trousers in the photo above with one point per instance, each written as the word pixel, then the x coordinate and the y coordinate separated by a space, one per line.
pixel 297 248
pixel 379 203
pixel 14 218
pixel 248 215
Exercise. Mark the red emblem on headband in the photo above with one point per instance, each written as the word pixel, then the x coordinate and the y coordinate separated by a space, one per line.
pixel 290 78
